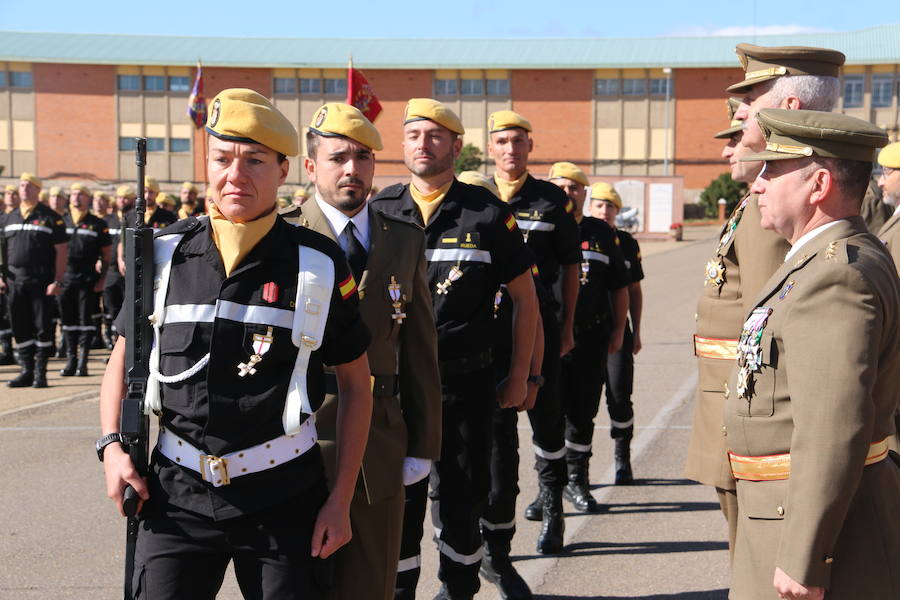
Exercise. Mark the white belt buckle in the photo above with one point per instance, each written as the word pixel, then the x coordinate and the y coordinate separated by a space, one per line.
pixel 214 470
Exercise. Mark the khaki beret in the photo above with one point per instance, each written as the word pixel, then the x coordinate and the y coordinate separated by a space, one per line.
pixel 242 115
pixel 151 184
pixel 125 191
pixel 301 193
pixel 189 186
pixel 567 170
pixel 479 179
pixel 337 119
pixel 761 63
pixel 32 179
pixel 734 125
pixel 44 195
pixel 604 191
pixel 81 188
pixel 507 119
pixel 98 195
pixel 427 109
pixel 10 188
pixel 798 133
pixel 55 190
pixel 890 156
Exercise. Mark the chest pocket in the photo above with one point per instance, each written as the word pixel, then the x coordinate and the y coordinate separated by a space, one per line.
pixel 762 392
pixel 179 346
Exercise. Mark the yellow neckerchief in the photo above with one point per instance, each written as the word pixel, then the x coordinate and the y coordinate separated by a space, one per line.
pixel 25 210
pixel 77 215
pixel 236 240
pixel 429 203
pixel 508 189
pixel 148 214
pixel 183 213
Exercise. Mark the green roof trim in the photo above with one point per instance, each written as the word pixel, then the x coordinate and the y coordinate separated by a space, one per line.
pixel 875 45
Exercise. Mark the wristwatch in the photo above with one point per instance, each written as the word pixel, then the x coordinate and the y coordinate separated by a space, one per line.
pixel 537 380
pixel 105 441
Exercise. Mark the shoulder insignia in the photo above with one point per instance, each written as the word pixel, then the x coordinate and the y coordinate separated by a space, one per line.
pixel 510 222
pixel 830 251
pixel 801 260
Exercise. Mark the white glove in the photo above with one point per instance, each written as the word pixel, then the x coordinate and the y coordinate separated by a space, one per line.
pixel 415 469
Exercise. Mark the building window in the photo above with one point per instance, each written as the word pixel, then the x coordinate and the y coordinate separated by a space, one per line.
pixel 634 87
pixel 471 87
pixel 882 90
pixel 336 87
pixel 660 87
pixel 179 145
pixel 179 84
pixel 156 144
pixel 309 85
pixel 129 83
pixel 285 85
pixel 154 83
pixel 445 87
pixel 20 79
pixel 2 78
pixel 126 144
pixel 606 87
pixel 498 87
pixel 853 91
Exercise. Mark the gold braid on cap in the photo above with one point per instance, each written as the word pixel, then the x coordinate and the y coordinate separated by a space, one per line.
pixel 788 149
pixel 765 73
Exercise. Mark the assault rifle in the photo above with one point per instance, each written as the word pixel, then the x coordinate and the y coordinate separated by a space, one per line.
pixel 135 424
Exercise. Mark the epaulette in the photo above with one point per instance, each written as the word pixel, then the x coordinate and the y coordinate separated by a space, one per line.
pixel 290 212
pixel 391 192
pixel 180 226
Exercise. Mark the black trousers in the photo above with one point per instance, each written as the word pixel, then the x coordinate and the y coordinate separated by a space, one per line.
pixel 410 565
pixel 498 525
pixel 5 327
pixel 113 297
pixel 30 313
pixel 620 369
pixel 460 479
pixel 547 421
pixel 182 555
pixel 581 383
pixel 78 305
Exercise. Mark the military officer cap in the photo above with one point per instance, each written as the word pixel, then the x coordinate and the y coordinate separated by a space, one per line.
pixel 763 63
pixel 125 191
pixel 604 191
pixel 32 179
pixel 567 170
pixel 44 195
pixel 890 156
pixel 734 125
pixel 337 119
pixel 479 179
pixel 80 188
pixel 301 193
pixel 507 119
pixel 427 109
pixel 798 133
pixel 242 115
pixel 189 186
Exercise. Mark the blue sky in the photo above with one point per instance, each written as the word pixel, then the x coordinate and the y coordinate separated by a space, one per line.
pixel 430 19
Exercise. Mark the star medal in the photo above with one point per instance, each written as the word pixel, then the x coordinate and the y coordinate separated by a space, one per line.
pixel 585 268
pixel 743 382
pixel 750 348
pixel 498 298
pixel 261 345
pixel 454 274
pixel 394 291
pixel 715 273
pixel 733 222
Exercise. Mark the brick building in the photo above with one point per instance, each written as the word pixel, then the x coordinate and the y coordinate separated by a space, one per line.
pixel 70 104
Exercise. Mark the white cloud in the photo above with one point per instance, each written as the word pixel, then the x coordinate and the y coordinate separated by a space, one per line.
pixel 743 30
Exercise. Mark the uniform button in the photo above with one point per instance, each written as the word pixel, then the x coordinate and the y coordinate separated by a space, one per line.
pixel 780 511
pixel 829 559
pixel 724 430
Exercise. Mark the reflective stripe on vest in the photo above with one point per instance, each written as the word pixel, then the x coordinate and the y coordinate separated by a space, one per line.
pixel 27 227
pixel 535 225
pixel 591 255
pixel 224 309
pixel 457 255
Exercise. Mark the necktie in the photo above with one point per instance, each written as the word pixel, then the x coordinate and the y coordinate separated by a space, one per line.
pixel 356 254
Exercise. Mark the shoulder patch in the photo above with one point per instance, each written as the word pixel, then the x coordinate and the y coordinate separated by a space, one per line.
pixel 347 287
pixel 510 222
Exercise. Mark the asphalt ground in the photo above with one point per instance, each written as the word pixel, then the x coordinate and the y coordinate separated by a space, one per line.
pixel 662 538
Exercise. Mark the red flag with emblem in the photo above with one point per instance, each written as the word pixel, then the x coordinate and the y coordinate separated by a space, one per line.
pixel 360 94
pixel 196 102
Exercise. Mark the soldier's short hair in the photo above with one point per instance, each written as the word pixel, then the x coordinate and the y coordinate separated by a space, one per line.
pixel 816 92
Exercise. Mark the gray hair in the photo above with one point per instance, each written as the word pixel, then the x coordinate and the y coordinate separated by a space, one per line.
pixel 816 92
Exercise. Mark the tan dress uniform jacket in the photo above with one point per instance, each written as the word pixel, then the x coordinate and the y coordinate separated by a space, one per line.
pixel 889 234
pixel 826 389
pixel 404 425
pixel 747 258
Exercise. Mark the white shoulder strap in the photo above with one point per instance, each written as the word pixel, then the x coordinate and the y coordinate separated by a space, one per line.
pixel 315 283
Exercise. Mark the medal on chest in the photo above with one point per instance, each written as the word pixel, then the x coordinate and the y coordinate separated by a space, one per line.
pixel 454 274
pixel 395 294
pixel 498 298
pixel 261 345
pixel 585 265
pixel 732 224
pixel 715 273
pixel 750 349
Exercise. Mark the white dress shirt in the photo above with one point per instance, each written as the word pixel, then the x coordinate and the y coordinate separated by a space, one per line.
pixel 806 237
pixel 338 222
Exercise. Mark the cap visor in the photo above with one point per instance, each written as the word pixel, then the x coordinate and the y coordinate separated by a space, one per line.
pixel 769 155
pixel 727 133
pixel 742 87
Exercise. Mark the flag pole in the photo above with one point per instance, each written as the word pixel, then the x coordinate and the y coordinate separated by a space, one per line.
pixel 350 80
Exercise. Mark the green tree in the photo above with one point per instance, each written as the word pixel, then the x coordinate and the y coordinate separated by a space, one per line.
pixel 469 159
pixel 722 187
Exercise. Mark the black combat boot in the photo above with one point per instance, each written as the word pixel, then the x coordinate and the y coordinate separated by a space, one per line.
pixel 553 525
pixel 71 340
pixel 97 342
pixel 444 594
pixel 25 358
pixel 109 339
pixel 497 568
pixel 623 461
pixel 85 343
pixel 61 350
pixel 535 510
pixel 6 351
pixel 41 356
pixel 578 490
